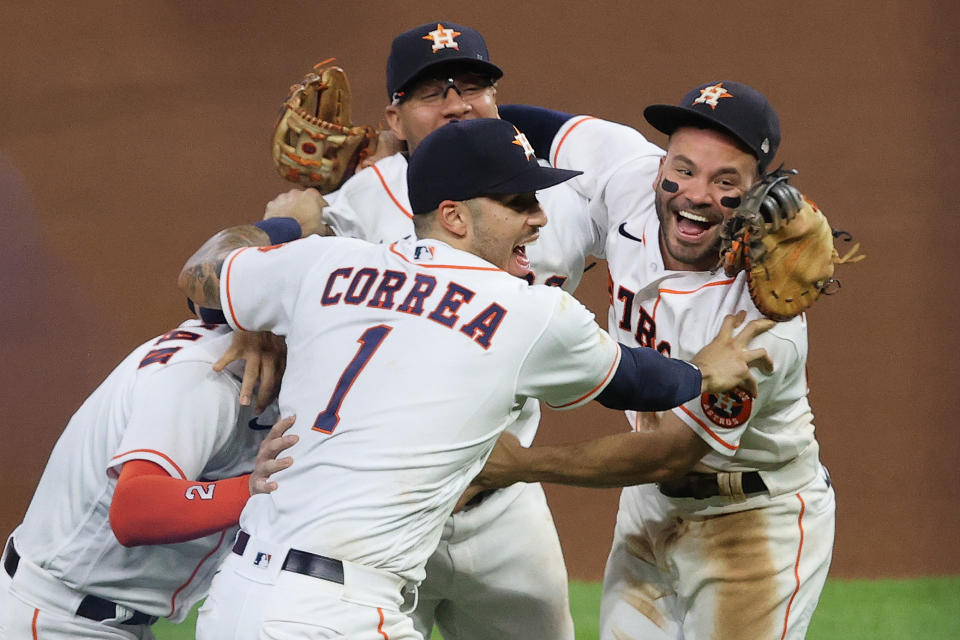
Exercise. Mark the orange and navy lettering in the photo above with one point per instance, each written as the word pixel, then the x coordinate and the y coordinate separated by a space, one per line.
pixel 158 356
pixel 646 333
pixel 178 334
pixel 348 286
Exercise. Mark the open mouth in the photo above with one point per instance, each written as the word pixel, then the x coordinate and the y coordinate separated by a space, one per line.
pixel 520 257
pixel 691 226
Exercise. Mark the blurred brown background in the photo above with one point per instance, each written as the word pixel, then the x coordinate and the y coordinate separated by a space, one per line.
pixel 130 132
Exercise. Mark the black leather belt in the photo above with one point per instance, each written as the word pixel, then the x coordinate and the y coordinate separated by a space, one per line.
pixel 302 562
pixel 706 485
pixel 91 607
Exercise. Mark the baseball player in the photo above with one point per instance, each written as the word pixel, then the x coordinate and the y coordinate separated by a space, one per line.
pixel 498 571
pixel 439 348
pixel 736 539
pixel 141 495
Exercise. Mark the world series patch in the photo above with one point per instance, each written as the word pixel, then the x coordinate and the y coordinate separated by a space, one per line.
pixel 729 410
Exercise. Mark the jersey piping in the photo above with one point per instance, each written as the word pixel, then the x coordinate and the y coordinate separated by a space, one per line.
pixel 154 452
pixel 440 266
pixel 796 567
pixel 601 385
pixel 556 154
pixel 390 193
pixel 708 430
pixel 173 598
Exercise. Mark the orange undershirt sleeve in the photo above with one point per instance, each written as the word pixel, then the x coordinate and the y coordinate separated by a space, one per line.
pixel 150 507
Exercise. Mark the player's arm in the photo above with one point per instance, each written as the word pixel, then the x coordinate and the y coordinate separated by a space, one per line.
pixel 200 276
pixel 619 460
pixel 646 380
pixel 151 507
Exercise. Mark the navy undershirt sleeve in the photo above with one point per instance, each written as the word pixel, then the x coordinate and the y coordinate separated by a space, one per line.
pixel 540 125
pixel 649 381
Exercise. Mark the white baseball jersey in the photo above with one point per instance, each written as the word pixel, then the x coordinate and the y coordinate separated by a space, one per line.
pixel 406 361
pixel 373 205
pixel 679 312
pixel 163 403
pixel 673 572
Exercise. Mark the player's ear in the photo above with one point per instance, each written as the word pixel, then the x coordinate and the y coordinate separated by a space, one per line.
pixel 392 115
pixel 657 178
pixel 452 216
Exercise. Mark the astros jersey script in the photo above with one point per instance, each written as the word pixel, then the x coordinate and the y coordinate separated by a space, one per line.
pixel 163 403
pixel 402 372
pixel 678 566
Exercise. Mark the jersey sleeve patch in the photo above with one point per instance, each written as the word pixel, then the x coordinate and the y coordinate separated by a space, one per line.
pixel 727 410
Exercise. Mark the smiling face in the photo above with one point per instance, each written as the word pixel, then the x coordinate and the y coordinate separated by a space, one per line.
pixel 705 166
pixel 501 226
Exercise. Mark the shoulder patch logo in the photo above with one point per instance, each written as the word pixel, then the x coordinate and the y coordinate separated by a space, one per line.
pixel 729 410
pixel 423 252
pixel 443 38
pixel 712 94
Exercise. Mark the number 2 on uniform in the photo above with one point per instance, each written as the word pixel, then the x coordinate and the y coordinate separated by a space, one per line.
pixel 370 341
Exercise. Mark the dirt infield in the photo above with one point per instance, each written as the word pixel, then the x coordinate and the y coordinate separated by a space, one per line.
pixel 131 132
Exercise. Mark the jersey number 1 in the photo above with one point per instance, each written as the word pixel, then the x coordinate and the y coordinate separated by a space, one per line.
pixel 370 341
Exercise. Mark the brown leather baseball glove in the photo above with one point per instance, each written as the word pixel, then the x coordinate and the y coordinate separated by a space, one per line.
pixel 785 244
pixel 315 143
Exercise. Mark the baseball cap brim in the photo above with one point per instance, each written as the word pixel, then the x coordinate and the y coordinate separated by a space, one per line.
pixel 530 180
pixel 667 118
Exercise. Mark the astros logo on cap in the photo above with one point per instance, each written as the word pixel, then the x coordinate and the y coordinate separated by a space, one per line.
pixel 443 38
pixel 712 94
pixel 521 140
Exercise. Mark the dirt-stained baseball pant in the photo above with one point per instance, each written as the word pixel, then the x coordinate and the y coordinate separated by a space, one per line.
pixel 498 573
pixel 279 604
pixel 755 572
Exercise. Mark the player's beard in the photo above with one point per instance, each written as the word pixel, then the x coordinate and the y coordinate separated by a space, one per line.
pixel 684 256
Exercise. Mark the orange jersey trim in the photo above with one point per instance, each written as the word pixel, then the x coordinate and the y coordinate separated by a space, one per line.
pixel 709 431
pixel 173 598
pixel 229 299
pixel 796 567
pixel 33 623
pixel 660 292
pixel 556 154
pixel 440 266
pixel 390 193
pixel 183 476
pixel 603 383
pixel 380 626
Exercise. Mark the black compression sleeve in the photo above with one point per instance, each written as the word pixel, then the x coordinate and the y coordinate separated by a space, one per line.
pixel 649 381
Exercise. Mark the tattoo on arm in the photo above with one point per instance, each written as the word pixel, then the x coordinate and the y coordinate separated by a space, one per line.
pixel 200 276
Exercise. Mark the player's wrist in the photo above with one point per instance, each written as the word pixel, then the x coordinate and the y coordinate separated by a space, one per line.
pixel 280 230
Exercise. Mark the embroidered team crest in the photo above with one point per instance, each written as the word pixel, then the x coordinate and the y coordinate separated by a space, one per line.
pixel 521 140
pixel 729 410
pixel 262 560
pixel 712 94
pixel 443 38
pixel 423 252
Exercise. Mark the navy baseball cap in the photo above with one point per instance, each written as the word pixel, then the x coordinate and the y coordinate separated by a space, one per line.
pixel 734 108
pixel 481 157
pixel 421 48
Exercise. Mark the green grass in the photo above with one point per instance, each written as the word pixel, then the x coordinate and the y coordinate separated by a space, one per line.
pixel 849 610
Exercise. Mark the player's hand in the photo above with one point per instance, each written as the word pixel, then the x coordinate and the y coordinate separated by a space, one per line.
pixel 305 206
pixel 267 462
pixel 725 362
pixel 387 145
pixel 265 357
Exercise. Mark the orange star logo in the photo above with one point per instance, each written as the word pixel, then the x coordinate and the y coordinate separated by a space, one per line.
pixel 521 141
pixel 712 94
pixel 443 38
